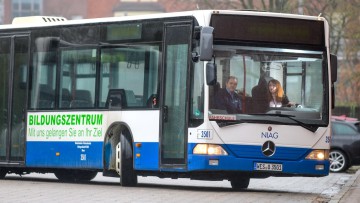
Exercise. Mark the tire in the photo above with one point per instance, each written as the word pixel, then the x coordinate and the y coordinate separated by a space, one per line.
pixel 3 173
pixel 75 175
pixel 338 161
pixel 128 177
pixel 86 176
pixel 239 183
pixel 65 175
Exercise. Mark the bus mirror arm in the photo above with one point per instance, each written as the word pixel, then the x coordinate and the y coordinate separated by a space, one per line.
pixel 211 73
pixel 206 44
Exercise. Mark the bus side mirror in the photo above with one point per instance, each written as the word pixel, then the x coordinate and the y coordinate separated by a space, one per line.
pixel 211 73
pixel 206 44
pixel 333 64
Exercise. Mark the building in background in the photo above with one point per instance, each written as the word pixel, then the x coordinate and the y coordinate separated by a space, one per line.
pixel 17 8
pixel 100 8
pixel 137 7
pixel 79 9
pixel 69 9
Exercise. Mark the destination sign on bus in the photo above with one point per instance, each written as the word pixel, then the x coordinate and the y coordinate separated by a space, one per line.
pixel 269 29
pixel 123 31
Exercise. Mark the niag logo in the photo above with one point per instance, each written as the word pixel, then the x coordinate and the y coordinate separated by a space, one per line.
pixel 269 135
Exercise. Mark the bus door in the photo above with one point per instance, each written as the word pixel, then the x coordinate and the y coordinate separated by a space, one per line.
pixel 14 59
pixel 174 94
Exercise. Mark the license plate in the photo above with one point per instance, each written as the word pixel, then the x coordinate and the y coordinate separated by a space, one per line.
pixel 267 167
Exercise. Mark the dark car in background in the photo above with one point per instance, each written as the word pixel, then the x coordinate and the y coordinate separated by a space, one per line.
pixel 345 144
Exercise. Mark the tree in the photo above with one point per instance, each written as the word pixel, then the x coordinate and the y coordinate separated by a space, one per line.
pixel 343 18
pixel 283 6
pixel 263 5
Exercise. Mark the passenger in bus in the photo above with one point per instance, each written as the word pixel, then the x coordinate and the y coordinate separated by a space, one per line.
pixel 260 95
pixel 277 97
pixel 227 99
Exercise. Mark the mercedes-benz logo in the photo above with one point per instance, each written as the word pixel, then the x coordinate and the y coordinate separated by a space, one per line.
pixel 268 148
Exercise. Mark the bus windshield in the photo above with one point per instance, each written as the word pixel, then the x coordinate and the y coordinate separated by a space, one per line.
pixel 267 82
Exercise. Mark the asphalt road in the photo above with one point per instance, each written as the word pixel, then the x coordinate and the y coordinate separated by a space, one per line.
pixel 46 188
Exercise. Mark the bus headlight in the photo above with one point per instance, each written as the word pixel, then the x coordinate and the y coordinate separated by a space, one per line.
pixel 318 154
pixel 209 149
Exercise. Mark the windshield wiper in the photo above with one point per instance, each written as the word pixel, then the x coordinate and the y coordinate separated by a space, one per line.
pixel 291 117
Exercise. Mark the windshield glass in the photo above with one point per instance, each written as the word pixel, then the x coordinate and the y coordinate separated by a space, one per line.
pixel 267 81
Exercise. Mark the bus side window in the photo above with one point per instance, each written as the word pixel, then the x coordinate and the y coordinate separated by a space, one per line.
pixel 82 99
pixel 46 97
pixel 130 98
pixel 65 98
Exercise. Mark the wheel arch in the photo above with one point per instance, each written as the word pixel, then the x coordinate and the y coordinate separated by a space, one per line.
pixel 111 139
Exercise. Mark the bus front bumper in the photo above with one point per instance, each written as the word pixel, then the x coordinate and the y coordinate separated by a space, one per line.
pixel 272 167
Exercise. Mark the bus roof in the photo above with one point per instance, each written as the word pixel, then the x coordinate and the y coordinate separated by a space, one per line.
pixel 203 17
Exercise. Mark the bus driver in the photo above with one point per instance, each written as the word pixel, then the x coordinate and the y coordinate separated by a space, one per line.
pixel 227 99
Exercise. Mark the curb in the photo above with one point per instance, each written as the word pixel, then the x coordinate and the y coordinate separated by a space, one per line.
pixel 345 188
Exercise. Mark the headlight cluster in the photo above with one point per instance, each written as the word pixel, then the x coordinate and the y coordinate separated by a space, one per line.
pixel 318 154
pixel 209 149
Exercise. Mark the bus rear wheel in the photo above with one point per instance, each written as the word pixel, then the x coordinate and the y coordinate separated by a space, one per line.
pixel 75 175
pixel 125 160
pixel 239 183
pixel 86 175
pixel 3 173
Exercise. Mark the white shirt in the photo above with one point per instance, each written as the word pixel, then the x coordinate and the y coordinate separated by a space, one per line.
pixel 274 103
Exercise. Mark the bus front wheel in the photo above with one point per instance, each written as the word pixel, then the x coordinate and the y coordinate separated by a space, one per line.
pixel 239 183
pixel 125 160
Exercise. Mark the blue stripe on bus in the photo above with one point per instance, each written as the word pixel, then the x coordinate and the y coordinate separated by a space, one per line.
pixel 64 154
pixel 44 154
pixel 147 156
pixel 72 155
pixel 291 158
pixel 254 151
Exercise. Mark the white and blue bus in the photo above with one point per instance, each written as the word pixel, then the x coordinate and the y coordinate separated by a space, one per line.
pixel 134 96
